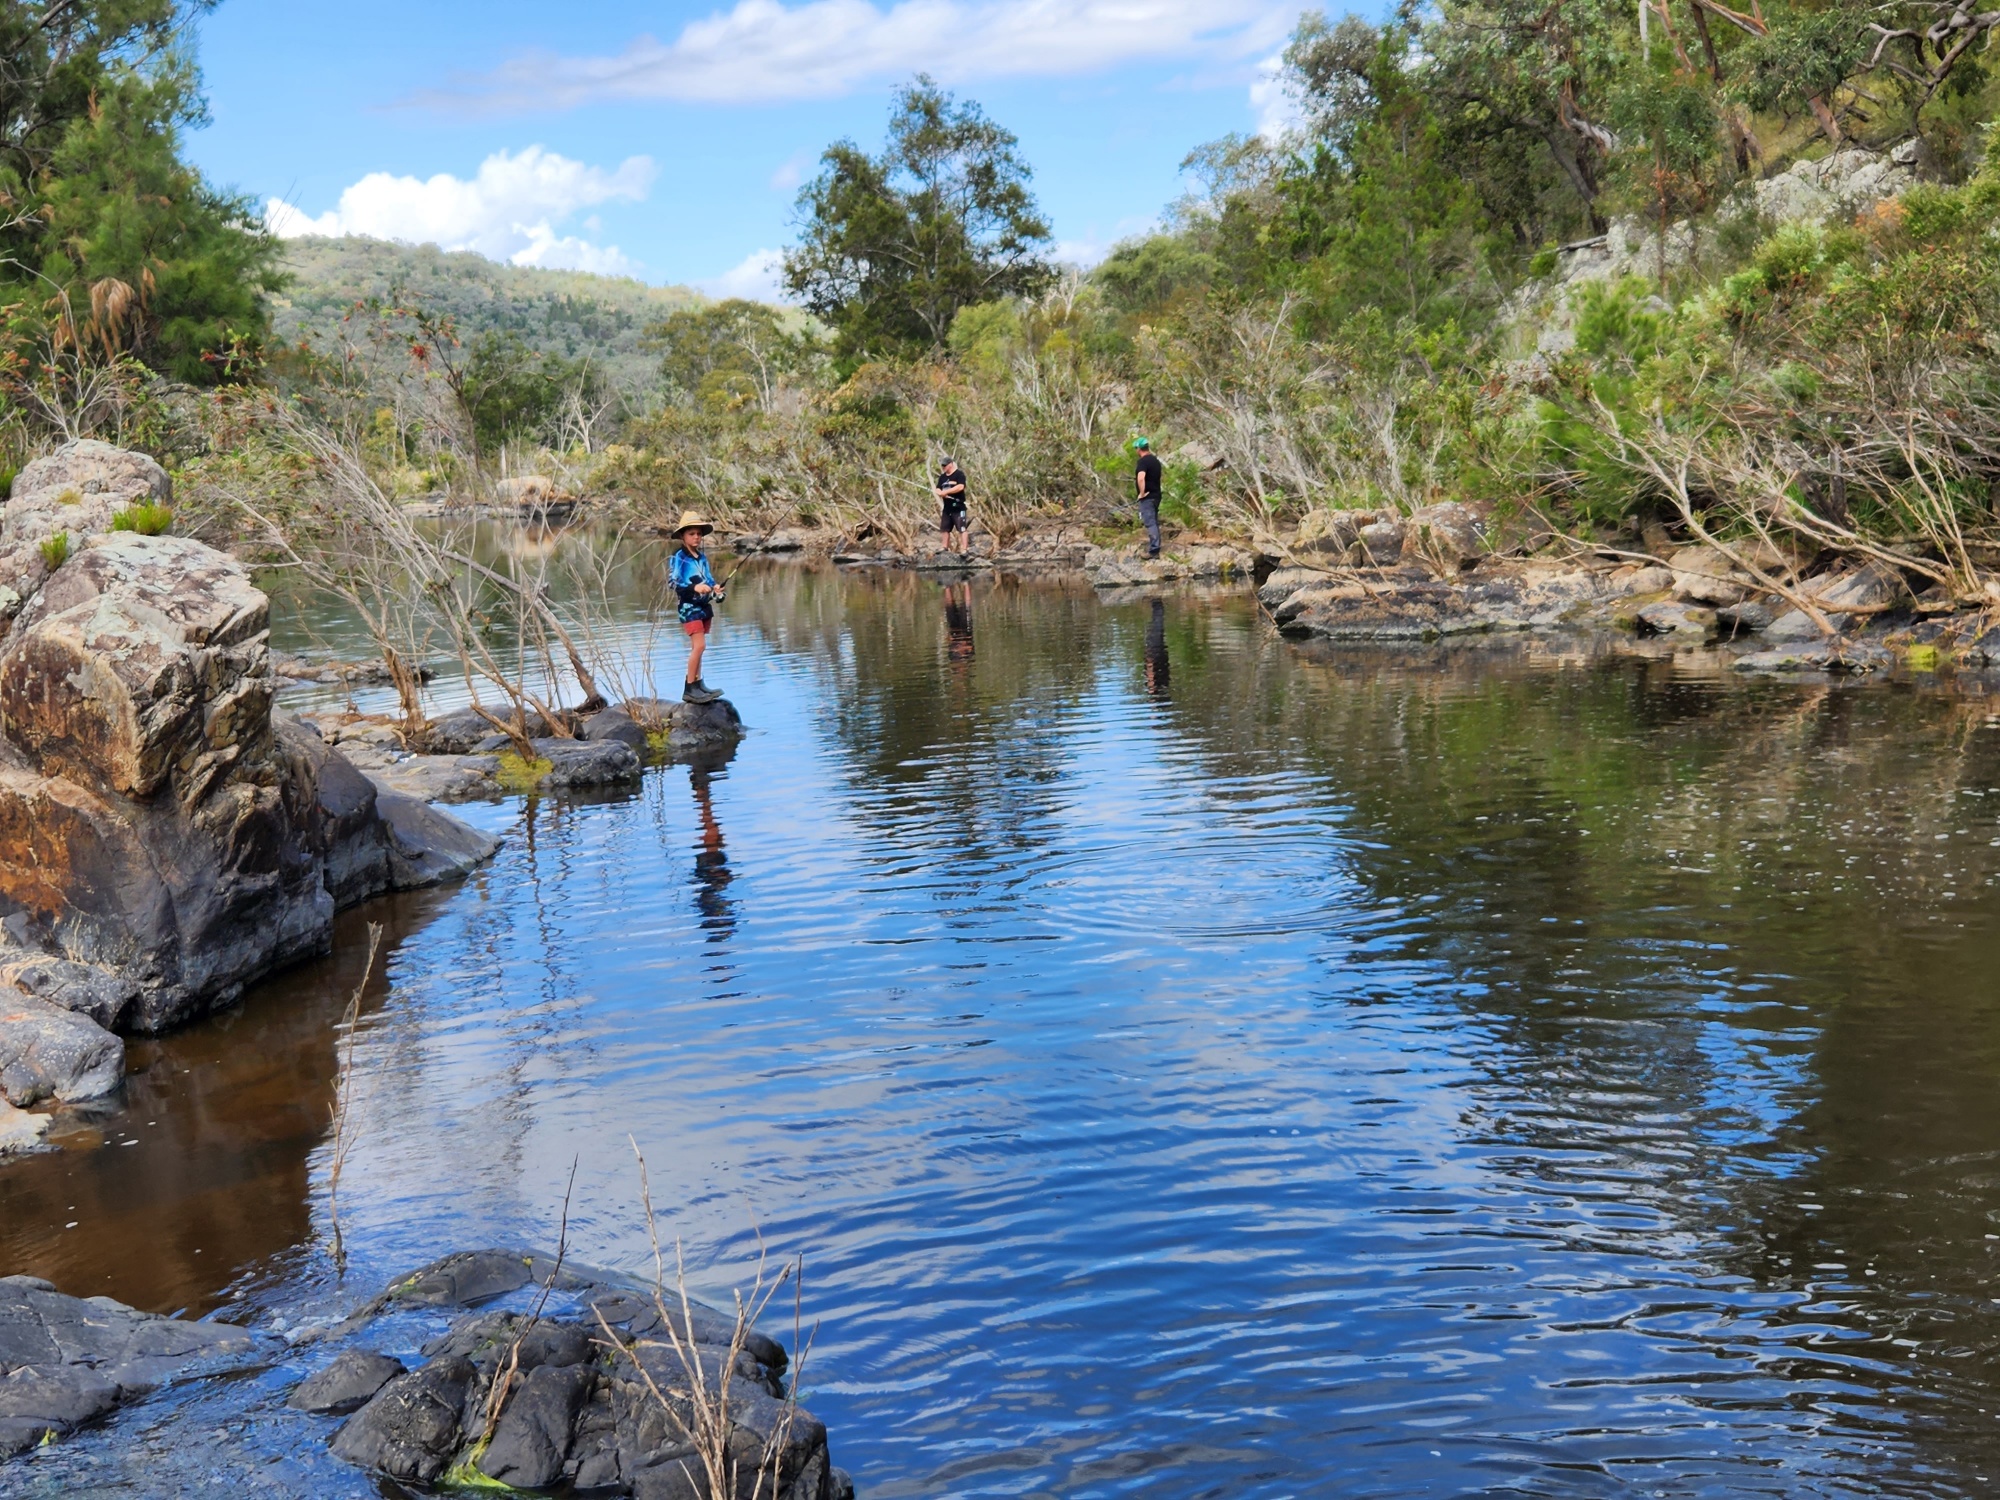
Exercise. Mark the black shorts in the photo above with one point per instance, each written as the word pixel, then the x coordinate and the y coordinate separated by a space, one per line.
pixel 954 520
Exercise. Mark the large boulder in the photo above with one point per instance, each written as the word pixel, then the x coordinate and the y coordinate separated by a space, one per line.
pixel 1447 536
pixel 163 840
pixel 47 1052
pixel 77 489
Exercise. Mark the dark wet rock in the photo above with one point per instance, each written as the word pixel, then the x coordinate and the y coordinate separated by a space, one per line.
pixel 428 846
pixel 1747 618
pixel 411 1428
pixel 465 1279
pixel 1842 657
pixel 37 1404
pixel 689 727
pixel 1672 617
pixel 65 1361
pixel 106 998
pixel 47 1052
pixel 530 1342
pixel 355 847
pixel 532 1438
pixel 576 1400
pixel 614 724
pixel 584 763
pixel 347 1384
pixel 466 732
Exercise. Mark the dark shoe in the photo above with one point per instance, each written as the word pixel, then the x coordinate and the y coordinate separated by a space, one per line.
pixel 699 692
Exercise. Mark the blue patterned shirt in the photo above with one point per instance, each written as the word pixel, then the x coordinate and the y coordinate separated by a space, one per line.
pixel 689 569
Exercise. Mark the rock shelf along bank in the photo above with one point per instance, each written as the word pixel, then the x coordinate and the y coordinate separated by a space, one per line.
pixel 485 1368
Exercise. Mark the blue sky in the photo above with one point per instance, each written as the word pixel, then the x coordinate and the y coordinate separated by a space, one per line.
pixel 667 140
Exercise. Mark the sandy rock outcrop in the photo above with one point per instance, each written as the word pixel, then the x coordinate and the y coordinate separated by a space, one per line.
pixel 165 839
pixel 77 489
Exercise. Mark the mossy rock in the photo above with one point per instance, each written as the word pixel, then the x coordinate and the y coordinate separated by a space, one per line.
pixel 518 775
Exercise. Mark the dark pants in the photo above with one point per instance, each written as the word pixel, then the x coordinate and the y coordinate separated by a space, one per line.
pixel 1149 513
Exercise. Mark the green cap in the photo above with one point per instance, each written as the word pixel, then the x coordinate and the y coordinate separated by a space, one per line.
pixel 1142 442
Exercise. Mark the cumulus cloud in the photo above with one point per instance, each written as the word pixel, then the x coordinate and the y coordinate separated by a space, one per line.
pixel 762 51
pixel 510 210
pixel 1273 102
pixel 759 276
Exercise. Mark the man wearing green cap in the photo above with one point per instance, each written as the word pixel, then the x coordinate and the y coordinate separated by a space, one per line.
pixel 1147 477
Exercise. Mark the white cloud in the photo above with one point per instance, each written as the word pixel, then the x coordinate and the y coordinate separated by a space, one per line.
pixel 791 172
pixel 1273 102
pixel 510 209
pixel 764 52
pixel 758 277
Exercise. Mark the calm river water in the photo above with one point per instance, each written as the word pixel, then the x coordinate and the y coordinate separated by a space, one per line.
pixel 1191 1065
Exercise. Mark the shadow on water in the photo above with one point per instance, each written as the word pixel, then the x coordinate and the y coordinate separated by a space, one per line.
pixel 1197 1065
pixel 201 1178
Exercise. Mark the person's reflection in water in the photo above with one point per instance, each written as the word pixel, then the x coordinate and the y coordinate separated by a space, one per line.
pixel 958 625
pixel 1158 671
pixel 711 863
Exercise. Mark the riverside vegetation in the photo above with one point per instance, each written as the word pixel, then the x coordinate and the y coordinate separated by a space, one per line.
pixel 1631 281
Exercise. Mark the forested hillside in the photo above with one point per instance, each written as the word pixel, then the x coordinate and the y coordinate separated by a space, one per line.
pixel 569 314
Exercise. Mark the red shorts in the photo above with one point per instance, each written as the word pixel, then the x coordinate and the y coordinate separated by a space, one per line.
pixel 697 627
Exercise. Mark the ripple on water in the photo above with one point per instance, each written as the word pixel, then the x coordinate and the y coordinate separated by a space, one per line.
pixel 1322 1078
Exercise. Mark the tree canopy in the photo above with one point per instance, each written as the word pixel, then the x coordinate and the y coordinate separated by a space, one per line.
pixel 892 246
pixel 109 241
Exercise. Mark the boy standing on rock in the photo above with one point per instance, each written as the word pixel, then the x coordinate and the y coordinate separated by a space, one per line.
pixel 950 490
pixel 1147 476
pixel 695 586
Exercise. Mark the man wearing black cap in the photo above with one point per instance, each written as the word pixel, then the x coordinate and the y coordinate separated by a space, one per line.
pixel 1147 477
pixel 950 489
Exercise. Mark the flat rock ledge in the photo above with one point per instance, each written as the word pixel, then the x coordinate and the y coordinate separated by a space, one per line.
pixel 592 1394
pixel 462 758
pixel 68 1361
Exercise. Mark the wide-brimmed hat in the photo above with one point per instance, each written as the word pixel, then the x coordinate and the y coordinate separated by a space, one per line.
pixel 691 521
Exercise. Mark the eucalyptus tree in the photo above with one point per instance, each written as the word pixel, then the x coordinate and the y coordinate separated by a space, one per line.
pixel 892 246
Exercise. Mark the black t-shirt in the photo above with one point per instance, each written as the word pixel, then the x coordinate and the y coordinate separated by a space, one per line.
pixel 945 481
pixel 1149 477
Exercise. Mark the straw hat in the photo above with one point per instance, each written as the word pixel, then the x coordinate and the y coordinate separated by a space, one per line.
pixel 691 521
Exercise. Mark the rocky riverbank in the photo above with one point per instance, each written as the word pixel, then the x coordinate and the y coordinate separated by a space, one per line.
pixel 1453 569
pixel 488 1368
pixel 165 838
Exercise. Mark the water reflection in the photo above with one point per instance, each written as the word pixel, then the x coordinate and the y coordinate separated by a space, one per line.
pixel 1536 1067
pixel 1159 670
pixel 717 913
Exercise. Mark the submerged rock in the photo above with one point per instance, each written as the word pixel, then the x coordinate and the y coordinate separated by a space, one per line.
pixel 1841 657
pixel 20 1131
pixel 65 1361
pixel 346 1385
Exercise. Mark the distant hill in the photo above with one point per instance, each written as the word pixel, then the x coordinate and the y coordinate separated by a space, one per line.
pixel 570 313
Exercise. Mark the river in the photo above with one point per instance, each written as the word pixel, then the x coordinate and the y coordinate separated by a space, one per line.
pixel 1190 1065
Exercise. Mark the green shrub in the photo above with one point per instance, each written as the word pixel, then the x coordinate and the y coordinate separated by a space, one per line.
pixel 147 519
pixel 7 482
pixel 55 550
pixel 1543 264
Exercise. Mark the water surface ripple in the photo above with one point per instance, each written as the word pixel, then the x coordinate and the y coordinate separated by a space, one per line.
pixel 1189 1066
